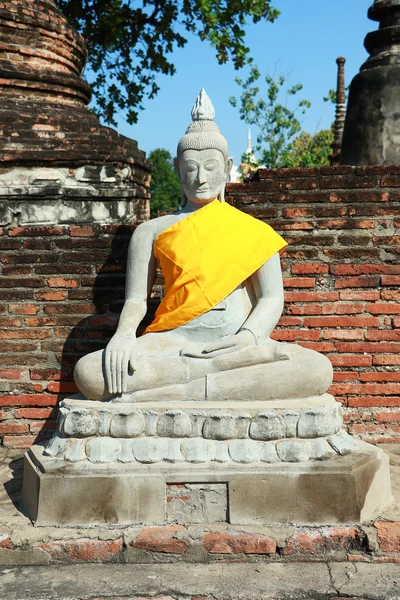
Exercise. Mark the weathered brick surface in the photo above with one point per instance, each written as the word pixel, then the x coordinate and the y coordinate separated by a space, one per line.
pixel 377 544
pixel 43 115
pixel 84 550
pixel 162 539
pixel 317 541
pixel 341 273
pixel 388 536
pixel 235 542
pixel 43 334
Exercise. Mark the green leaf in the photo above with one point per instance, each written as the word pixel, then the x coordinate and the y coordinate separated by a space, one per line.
pixel 130 42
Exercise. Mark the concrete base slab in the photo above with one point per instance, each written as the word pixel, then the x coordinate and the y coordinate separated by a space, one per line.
pixel 269 581
pixel 345 489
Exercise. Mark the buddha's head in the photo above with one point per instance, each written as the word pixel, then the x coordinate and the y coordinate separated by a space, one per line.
pixel 202 160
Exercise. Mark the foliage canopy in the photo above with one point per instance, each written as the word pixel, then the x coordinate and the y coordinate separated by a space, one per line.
pixel 129 42
pixel 165 186
pixel 276 114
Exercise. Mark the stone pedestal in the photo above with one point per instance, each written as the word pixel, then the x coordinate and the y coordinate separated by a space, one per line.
pixel 282 461
pixel 347 489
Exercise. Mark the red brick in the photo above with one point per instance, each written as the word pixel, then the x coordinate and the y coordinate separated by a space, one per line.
pixel 380 376
pixel 297 226
pixel 386 359
pixel 311 296
pixel 10 322
pixel 295 334
pixel 42 426
pixel 306 309
pixel 309 269
pixel 343 334
pixel 368 347
pixel 65 386
pixel 35 231
pixel 294 213
pixel 342 308
pixel 82 231
pixel 384 559
pixel 342 321
pixel 11 374
pixel 357 282
pixel 299 282
pixel 24 309
pixel 346 224
pixel 383 334
pixel 9 427
pixel 387 417
pixel 33 413
pixel 388 536
pixel 29 400
pixel 71 308
pixel 61 282
pixel 327 539
pixel 354 254
pixel 390 181
pixel 84 550
pixel 386 401
pixel 51 296
pixel 25 334
pixel 370 295
pixel 350 360
pixel 396 322
pixel 345 376
pixel 162 539
pixel 45 374
pixel 367 269
pixel 20 441
pixel 390 295
pixel 235 542
pixel 17 360
pixel 5 542
pixel 289 321
pixel 390 280
pixel 318 346
pixel 331 211
pixel 366 388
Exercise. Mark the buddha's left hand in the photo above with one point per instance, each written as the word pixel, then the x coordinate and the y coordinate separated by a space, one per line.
pixel 240 340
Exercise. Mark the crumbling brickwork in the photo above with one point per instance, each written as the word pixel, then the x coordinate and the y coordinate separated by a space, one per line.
pixel 71 191
pixel 341 276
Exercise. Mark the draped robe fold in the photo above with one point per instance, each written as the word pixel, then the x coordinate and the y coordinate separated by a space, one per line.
pixel 205 256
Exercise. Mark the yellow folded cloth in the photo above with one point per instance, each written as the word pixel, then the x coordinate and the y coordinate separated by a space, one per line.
pixel 205 256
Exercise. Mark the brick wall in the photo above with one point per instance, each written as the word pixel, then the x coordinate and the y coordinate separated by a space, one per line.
pixel 61 291
pixel 62 287
pixel 341 276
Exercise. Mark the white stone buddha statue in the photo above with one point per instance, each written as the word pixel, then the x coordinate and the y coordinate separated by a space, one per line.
pixel 201 347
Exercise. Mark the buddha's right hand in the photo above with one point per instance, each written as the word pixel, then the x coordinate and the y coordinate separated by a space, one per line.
pixel 120 360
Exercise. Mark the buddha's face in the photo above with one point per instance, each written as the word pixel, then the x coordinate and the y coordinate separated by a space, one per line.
pixel 202 174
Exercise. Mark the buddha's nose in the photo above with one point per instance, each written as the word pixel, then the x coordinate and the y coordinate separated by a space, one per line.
pixel 201 176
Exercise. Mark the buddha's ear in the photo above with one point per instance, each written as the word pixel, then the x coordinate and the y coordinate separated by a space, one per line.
pixel 176 167
pixel 229 164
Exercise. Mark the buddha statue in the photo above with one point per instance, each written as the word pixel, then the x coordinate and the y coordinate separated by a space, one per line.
pixel 210 339
pixel 204 396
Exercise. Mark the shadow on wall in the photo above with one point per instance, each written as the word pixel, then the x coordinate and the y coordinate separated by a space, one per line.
pixel 103 300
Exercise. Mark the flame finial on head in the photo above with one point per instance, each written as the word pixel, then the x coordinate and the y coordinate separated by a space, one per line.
pixel 203 133
pixel 203 109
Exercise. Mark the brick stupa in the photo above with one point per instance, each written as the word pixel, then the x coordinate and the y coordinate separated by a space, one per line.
pixel 45 123
pixel 372 126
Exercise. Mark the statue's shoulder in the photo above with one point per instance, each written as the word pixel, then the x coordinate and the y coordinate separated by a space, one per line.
pixel 153 227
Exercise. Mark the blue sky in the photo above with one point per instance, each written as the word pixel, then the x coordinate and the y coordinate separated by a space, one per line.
pixel 303 44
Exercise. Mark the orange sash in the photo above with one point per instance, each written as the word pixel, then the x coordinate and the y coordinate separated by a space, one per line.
pixel 205 256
